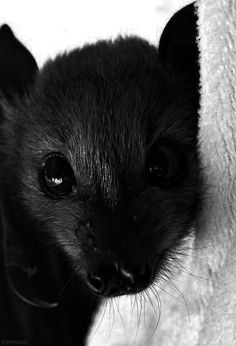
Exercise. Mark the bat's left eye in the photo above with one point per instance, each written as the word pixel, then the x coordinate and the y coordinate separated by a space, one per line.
pixel 164 165
pixel 56 176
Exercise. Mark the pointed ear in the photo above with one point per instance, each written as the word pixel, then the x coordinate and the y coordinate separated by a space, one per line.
pixel 178 49
pixel 18 67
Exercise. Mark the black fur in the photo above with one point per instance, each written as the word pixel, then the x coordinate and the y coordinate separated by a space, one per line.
pixel 102 107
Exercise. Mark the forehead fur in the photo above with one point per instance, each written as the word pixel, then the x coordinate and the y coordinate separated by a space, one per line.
pixel 105 85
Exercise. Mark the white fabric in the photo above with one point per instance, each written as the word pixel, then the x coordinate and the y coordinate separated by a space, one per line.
pixel 204 313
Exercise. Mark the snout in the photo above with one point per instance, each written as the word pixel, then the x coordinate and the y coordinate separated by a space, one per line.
pixel 113 279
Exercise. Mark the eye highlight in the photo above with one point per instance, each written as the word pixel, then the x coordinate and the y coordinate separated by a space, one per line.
pixel 56 176
pixel 165 165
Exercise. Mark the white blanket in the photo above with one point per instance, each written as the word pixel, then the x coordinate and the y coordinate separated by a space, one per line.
pixel 204 310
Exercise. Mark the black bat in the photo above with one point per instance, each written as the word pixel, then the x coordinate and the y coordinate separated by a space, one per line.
pixel 100 176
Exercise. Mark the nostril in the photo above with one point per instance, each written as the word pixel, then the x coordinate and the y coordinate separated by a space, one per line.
pixel 145 276
pixel 95 283
pixel 104 280
pixel 136 279
pixel 128 275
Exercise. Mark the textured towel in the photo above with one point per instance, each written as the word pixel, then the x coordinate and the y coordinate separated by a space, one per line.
pixel 203 312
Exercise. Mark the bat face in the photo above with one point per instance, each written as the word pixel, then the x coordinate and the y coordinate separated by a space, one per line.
pixel 100 162
pixel 103 161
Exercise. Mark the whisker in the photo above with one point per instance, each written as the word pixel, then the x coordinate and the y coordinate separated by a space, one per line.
pixel 144 308
pixel 164 290
pixel 111 301
pixel 118 309
pixel 180 267
pixel 158 314
pixel 138 319
pixel 181 295
pixel 104 306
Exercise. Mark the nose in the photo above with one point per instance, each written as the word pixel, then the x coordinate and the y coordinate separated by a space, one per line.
pixel 112 279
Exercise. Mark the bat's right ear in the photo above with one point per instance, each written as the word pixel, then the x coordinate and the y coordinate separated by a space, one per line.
pixel 18 67
pixel 178 48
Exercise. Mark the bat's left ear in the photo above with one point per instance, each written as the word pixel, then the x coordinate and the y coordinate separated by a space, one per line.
pixel 178 49
pixel 18 67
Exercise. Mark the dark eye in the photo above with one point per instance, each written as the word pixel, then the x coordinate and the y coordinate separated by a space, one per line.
pixel 56 176
pixel 165 165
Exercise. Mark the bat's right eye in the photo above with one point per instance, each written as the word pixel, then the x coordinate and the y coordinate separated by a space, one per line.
pixel 165 165
pixel 56 176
